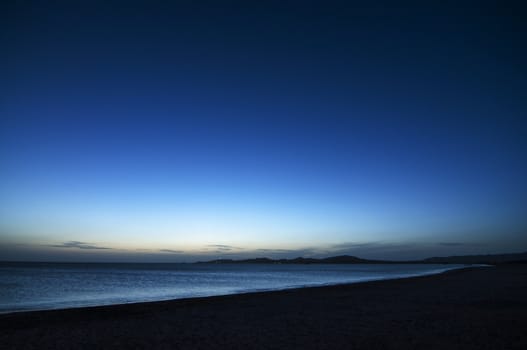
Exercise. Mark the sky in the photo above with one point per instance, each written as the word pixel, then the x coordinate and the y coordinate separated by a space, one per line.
pixel 170 131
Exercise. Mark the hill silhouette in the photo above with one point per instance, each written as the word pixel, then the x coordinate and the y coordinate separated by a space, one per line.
pixel 492 259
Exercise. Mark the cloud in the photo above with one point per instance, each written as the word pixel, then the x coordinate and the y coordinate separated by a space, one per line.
pixel 265 250
pixel 172 251
pixel 355 245
pixel 451 244
pixel 223 247
pixel 463 244
pixel 77 245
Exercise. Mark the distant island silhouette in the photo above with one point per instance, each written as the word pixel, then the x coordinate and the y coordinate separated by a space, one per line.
pixel 349 259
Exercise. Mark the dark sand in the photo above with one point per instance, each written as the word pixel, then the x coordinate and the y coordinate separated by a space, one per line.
pixel 479 308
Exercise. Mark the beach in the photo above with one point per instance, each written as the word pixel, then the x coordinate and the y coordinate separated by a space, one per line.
pixel 473 308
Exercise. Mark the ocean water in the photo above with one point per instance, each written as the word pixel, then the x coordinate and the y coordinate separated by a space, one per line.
pixel 40 286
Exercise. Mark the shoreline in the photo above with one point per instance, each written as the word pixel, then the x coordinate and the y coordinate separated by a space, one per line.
pixel 467 308
pixel 366 280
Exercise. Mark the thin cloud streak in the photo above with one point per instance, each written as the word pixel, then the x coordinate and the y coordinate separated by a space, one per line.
pixel 452 244
pixel 172 251
pixel 77 245
pixel 224 247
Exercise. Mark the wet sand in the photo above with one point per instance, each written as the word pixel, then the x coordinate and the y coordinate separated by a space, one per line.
pixel 476 308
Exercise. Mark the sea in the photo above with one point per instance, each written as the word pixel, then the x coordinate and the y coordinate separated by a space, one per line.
pixel 44 286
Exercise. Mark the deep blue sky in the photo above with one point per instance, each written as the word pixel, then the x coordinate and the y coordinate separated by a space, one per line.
pixel 170 131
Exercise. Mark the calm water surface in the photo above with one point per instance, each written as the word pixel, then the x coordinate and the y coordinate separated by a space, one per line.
pixel 37 286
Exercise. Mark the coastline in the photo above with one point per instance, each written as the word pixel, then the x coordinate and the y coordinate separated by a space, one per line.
pixel 462 308
pixel 444 269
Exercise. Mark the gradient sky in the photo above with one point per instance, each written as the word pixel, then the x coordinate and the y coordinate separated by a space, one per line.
pixel 184 130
